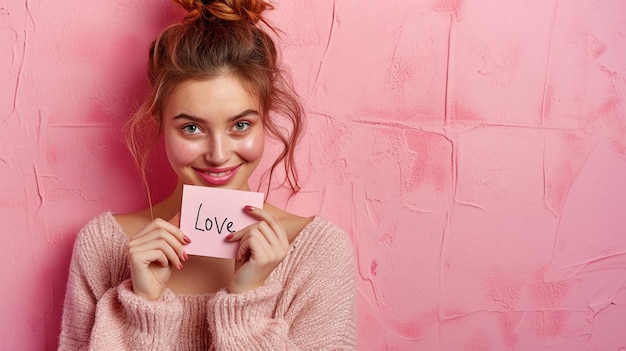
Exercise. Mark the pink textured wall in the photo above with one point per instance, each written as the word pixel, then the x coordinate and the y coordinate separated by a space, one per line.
pixel 475 150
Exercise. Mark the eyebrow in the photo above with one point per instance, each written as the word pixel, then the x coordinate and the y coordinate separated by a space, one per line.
pixel 231 119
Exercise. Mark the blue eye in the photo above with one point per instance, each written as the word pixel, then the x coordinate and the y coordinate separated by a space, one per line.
pixel 242 126
pixel 191 129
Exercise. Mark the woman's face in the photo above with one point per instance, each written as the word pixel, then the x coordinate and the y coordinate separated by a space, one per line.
pixel 214 134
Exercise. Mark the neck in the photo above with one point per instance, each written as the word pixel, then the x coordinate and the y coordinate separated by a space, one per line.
pixel 170 206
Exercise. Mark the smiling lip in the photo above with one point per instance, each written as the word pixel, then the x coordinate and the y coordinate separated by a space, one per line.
pixel 217 176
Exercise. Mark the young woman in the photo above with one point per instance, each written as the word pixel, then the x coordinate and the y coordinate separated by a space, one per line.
pixel 216 92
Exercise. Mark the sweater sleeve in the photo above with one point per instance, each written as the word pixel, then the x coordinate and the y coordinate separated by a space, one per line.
pixel 100 311
pixel 313 310
pixel 126 321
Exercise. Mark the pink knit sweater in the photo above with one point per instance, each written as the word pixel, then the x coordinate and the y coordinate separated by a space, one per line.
pixel 307 303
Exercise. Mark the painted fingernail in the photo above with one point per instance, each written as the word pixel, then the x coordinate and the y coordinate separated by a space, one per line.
pixel 186 239
pixel 185 256
pixel 229 236
pixel 180 266
pixel 249 208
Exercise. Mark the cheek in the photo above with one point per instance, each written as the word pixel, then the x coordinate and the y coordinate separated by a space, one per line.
pixel 251 149
pixel 181 152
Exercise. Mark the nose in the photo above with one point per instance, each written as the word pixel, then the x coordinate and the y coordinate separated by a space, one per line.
pixel 218 150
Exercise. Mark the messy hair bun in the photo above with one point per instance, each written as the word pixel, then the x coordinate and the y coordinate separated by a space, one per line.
pixel 227 10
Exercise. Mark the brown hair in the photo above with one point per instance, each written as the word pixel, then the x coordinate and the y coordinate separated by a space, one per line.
pixel 216 38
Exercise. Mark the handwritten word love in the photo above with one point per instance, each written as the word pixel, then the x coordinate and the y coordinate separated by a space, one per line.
pixel 210 223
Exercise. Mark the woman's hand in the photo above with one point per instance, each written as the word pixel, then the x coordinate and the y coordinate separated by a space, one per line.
pixel 262 247
pixel 153 253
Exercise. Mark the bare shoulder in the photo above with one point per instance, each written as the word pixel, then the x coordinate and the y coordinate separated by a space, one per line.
pixel 293 224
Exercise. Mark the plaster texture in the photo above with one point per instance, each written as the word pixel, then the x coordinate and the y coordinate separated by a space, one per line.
pixel 474 150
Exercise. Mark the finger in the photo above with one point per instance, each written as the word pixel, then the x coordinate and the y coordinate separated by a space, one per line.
pixel 254 212
pixel 263 215
pixel 269 234
pixel 240 233
pixel 156 234
pixel 253 247
pixel 156 223
pixel 242 251
pixel 161 245
pixel 161 237
pixel 250 243
pixel 156 251
pixel 258 213
pixel 266 217
pixel 161 258
pixel 261 227
pixel 169 227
